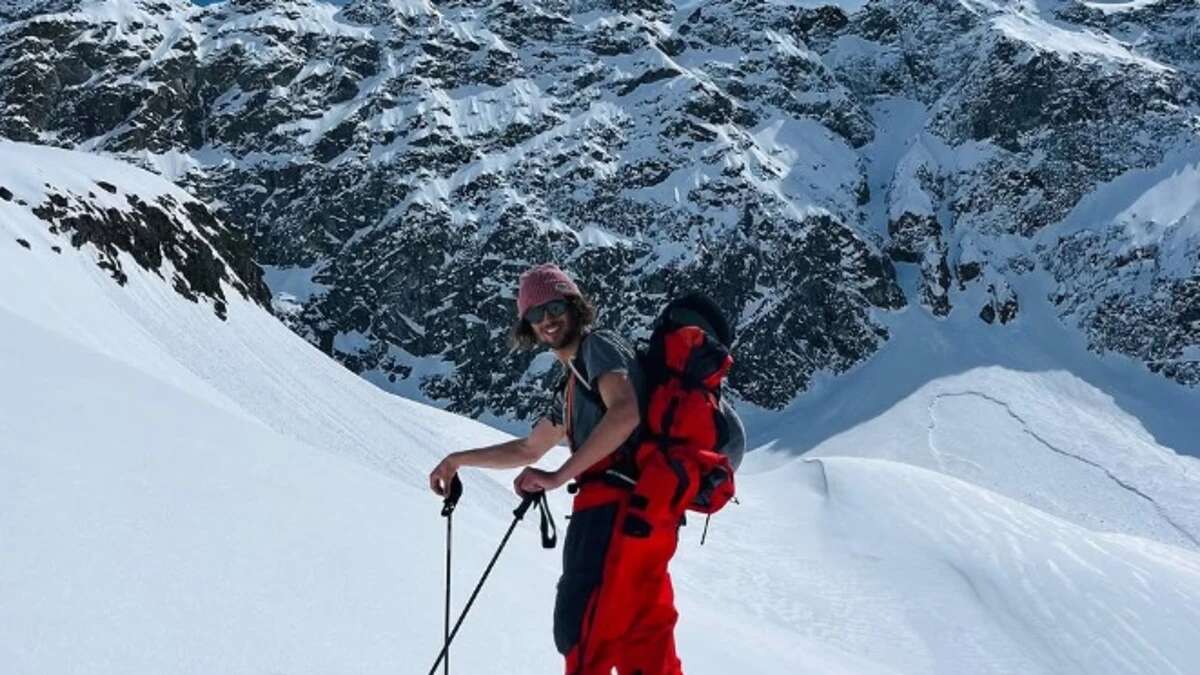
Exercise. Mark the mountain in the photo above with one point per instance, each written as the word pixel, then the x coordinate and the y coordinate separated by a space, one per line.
pixel 191 493
pixel 126 224
pixel 395 165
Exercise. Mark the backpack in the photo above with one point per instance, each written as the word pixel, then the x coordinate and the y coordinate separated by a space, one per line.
pixel 685 364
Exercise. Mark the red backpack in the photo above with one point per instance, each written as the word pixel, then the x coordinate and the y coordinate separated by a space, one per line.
pixel 683 428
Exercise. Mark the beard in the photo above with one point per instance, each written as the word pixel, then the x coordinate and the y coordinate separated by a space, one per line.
pixel 567 334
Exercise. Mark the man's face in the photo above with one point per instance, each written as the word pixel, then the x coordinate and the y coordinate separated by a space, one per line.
pixel 555 327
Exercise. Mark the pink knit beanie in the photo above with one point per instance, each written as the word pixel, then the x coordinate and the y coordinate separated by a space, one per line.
pixel 541 284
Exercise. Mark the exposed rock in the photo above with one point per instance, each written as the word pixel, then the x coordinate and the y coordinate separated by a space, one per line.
pixel 1002 305
pixel 147 223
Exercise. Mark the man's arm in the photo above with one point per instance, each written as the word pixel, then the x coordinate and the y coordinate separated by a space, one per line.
pixel 507 455
pixel 514 453
pixel 620 420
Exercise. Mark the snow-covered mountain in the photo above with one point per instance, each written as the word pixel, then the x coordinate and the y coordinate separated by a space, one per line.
pixel 191 493
pixel 397 163
pixel 159 228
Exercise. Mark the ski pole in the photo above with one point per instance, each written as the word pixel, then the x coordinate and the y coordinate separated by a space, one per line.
pixel 448 505
pixel 549 536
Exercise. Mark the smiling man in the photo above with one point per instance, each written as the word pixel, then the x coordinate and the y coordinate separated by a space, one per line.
pixel 553 312
pixel 614 606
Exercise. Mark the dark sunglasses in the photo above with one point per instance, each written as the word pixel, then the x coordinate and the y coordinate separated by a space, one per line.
pixel 554 308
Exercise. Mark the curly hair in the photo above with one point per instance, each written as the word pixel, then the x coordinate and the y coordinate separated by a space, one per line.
pixel 583 313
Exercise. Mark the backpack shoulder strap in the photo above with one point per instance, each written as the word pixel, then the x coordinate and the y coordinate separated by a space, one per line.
pixel 580 375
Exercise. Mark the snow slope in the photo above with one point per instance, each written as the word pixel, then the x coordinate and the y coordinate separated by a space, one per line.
pixel 188 495
pixel 1023 410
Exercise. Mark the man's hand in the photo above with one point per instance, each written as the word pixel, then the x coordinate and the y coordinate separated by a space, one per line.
pixel 442 474
pixel 532 480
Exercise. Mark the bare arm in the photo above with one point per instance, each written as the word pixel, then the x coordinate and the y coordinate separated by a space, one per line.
pixel 514 453
pixel 507 455
pixel 620 420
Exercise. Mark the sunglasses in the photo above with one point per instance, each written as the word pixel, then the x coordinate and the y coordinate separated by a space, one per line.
pixel 554 308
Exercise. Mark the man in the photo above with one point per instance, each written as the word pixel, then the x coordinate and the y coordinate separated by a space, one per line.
pixel 552 311
pixel 614 606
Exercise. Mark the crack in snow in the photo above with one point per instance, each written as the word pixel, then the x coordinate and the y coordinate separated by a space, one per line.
pixel 824 486
pixel 1025 427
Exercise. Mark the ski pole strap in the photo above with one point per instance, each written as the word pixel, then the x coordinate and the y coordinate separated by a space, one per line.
pixel 547 527
pixel 546 524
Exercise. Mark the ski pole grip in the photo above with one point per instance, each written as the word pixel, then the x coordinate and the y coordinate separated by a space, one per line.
pixel 452 496
pixel 527 500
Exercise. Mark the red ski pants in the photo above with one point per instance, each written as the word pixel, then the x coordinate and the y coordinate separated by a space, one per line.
pixel 615 606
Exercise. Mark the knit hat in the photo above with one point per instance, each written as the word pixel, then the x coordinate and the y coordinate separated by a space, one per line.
pixel 541 284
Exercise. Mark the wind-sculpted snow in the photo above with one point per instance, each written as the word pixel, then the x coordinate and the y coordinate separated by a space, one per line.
pixel 410 158
pixel 1067 599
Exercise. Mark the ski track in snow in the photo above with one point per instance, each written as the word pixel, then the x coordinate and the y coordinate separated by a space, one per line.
pixel 1028 430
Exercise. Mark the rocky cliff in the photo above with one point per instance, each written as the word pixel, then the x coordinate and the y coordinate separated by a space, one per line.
pixel 396 163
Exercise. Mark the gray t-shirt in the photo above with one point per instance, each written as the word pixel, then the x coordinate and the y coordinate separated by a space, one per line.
pixel 604 351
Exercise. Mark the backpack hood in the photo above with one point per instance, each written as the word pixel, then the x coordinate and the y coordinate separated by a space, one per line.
pixel 696 309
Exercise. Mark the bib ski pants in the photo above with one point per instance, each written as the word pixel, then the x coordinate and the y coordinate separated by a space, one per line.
pixel 615 605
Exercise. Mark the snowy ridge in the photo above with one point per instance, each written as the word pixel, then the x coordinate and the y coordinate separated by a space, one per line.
pixel 1051 38
pixel 62 198
pixel 1116 6
pixel 45 170
pixel 140 323
pixel 1036 24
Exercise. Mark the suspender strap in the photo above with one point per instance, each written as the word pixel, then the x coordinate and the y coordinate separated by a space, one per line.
pixel 569 404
